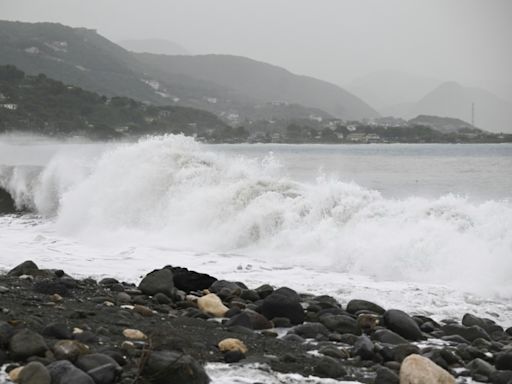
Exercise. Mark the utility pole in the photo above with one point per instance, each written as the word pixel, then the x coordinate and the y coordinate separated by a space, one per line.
pixel 473 114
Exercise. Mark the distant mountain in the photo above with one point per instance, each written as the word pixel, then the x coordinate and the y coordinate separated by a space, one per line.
pixel 242 77
pixel 232 87
pixel 454 100
pixel 157 46
pixel 37 104
pixel 444 124
pixel 385 89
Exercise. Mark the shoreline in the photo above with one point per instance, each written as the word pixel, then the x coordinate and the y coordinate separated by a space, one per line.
pixel 289 332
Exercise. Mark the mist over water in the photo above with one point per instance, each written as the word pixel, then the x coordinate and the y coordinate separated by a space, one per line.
pixel 187 196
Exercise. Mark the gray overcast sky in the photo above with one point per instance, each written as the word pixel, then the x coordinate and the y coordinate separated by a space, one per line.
pixel 336 40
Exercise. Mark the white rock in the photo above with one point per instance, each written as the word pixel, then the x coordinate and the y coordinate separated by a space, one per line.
pixel 417 369
pixel 212 305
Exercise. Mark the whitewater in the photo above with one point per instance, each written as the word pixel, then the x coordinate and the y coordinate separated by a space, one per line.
pixel 275 214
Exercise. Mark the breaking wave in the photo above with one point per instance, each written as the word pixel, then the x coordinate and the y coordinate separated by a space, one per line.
pixel 174 189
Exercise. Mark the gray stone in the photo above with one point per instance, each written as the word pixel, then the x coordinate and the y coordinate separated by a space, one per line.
pixel 164 367
pixel 403 324
pixel 63 372
pixel 34 373
pixel 158 281
pixel 27 343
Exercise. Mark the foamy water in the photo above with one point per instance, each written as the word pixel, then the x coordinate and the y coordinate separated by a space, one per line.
pixel 123 209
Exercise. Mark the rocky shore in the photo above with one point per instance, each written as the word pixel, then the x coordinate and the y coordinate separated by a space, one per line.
pixel 55 329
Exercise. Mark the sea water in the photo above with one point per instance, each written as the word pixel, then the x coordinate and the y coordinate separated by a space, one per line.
pixel 423 227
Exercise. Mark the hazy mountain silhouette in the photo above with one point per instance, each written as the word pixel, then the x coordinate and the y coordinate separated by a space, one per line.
pixel 227 85
pixel 158 46
pixel 451 99
pixel 385 89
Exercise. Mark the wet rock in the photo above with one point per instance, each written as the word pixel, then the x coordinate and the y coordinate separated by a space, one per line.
pixel 69 349
pixel 229 288
pixel 63 372
pixel 163 367
pixel 162 298
pixel 249 295
pixel 341 324
pixel 333 351
pixel 364 348
pixel 329 367
pixel 158 281
pixel 501 377
pixel 6 332
pixel 189 281
pixel 143 310
pixel 480 367
pixel 27 343
pixel 418 369
pixel 469 320
pixel 264 290
pixel 403 324
pixel 310 330
pixel 51 287
pixel 34 373
pixel 386 376
pixel 504 361
pixel 102 368
pixel 212 305
pixel 57 331
pixel 469 333
pixel 7 204
pixel 232 344
pixel 281 322
pixel 251 320
pixel 282 303
pixel 355 306
pixel 26 268
pixel 401 351
pixel 325 301
pixel 233 356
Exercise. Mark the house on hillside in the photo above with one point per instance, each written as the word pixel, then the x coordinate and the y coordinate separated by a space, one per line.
pixel 356 137
pixel 10 106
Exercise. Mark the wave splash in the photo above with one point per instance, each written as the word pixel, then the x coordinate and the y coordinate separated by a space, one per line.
pixel 170 187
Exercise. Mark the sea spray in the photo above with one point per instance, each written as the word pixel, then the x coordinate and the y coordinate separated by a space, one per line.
pixel 192 198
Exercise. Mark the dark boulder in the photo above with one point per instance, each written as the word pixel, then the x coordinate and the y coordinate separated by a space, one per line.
pixel 34 373
pixel 329 367
pixel 364 348
pixel 501 377
pixel 57 331
pixel 310 330
pixel 469 320
pixel 102 368
pixel 158 281
pixel 341 324
pixel 355 306
pixel 63 372
pixel 504 361
pixel 27 343
pixel 163 367
pixel 403 324
pixel 228 288
pixel 282 303
pixel 386 376
pixel 264 290
pixel 469 333
pixel 6 332
pixel 189 281
pixel 51 287
pixel 26 268
pixel 388 337
pixel 7 203
pixel 480 367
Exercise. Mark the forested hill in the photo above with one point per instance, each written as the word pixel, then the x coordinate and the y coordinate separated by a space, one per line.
pixel 41 105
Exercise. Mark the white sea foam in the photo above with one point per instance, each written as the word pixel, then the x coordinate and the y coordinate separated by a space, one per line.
pixel 171 189
pixel 123 209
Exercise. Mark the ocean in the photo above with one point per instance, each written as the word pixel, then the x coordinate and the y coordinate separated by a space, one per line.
pixel 426 228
